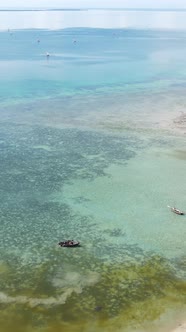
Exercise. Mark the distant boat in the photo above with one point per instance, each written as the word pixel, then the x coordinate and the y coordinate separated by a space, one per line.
pixel 69 243
pixel 173 209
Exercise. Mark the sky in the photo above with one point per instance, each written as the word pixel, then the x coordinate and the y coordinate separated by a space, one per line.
pixel 169 4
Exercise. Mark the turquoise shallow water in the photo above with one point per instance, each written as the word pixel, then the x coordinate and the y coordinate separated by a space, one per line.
pixel 92 147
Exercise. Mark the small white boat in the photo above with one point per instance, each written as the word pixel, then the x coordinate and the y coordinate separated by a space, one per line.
pixel 173 209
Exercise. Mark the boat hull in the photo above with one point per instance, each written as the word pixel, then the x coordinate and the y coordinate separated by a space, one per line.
pixel 69 245
pixel 177 211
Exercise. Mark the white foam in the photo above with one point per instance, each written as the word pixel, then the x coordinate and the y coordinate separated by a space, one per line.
pixel 33 302
pixel 77 282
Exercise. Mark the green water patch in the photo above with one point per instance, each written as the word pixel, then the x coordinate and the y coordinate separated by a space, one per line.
pixel 42 159
pixel 69 183
pixel 125 296
pixel 36 162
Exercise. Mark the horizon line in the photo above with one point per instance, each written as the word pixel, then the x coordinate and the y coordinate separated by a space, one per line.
pixel 91 8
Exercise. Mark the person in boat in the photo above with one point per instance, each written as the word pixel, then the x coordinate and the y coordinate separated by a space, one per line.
pixel 66 243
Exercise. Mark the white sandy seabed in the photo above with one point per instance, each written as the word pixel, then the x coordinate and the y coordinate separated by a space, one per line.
pixel 180 328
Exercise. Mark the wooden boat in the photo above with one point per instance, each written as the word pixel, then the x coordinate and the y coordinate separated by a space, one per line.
pixel 173 209
pixel 69 243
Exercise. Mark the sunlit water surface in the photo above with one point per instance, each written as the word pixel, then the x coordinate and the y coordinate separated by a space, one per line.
pixel 90 150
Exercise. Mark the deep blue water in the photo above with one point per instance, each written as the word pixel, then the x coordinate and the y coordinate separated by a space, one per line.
pixel 87 59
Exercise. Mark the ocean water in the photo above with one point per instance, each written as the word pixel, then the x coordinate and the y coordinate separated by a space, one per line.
pixel 92 147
